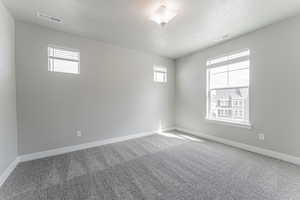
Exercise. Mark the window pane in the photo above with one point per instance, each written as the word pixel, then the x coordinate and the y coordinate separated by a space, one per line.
pixel 160 69
pixel 233 75
pixel 64 66
pixel 239 78
pixel 160 77
pixel 219 80
pixel 229 104
pixel 239 65
pixel 217 70
pixel 218 77
pixel 160 74
pixel 65 54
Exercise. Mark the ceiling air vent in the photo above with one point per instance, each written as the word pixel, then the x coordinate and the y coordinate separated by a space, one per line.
pixel 49 18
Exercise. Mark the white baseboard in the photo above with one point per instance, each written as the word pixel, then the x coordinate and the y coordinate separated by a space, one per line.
pixel 44 154
pixel 265 152
pixel 63 150
pixel 8 171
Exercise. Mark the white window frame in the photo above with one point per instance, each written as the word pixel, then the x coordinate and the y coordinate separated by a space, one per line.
pixel 160 69
pixel 229 58
pixel 50 68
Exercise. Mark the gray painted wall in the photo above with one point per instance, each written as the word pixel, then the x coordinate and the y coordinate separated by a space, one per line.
pixel 275 88
pixel 113 96
pixel 8 122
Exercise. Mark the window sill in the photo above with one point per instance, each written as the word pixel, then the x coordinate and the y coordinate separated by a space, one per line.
pixel 230 123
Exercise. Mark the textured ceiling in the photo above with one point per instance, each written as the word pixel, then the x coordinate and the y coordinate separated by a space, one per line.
pixel 199 24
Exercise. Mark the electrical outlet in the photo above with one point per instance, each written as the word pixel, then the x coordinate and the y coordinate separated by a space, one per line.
pixel 78 133
pixel 261 136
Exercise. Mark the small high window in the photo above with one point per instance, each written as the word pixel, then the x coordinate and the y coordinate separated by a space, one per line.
pixel 63 60
pixel 228 88
pixel 160 74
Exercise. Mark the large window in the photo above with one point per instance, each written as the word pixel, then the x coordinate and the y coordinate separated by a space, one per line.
pixel 63 60
pixel 228 88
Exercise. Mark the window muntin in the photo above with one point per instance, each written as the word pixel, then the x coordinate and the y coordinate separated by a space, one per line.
pixel 160 74
pixel 63 60
pixel 228 88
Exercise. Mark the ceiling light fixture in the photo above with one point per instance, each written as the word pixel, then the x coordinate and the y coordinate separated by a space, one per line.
pixel 163 14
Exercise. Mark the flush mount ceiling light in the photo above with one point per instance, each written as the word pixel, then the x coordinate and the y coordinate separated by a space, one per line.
pixel 163 14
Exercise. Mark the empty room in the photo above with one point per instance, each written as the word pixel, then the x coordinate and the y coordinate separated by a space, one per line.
pixel 150 100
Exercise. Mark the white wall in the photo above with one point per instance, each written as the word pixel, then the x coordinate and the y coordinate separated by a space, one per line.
pixel 275 88
pixel 113 96
pixel 8 123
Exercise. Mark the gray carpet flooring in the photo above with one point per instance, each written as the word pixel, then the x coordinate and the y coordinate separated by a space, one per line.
pixel 158 167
